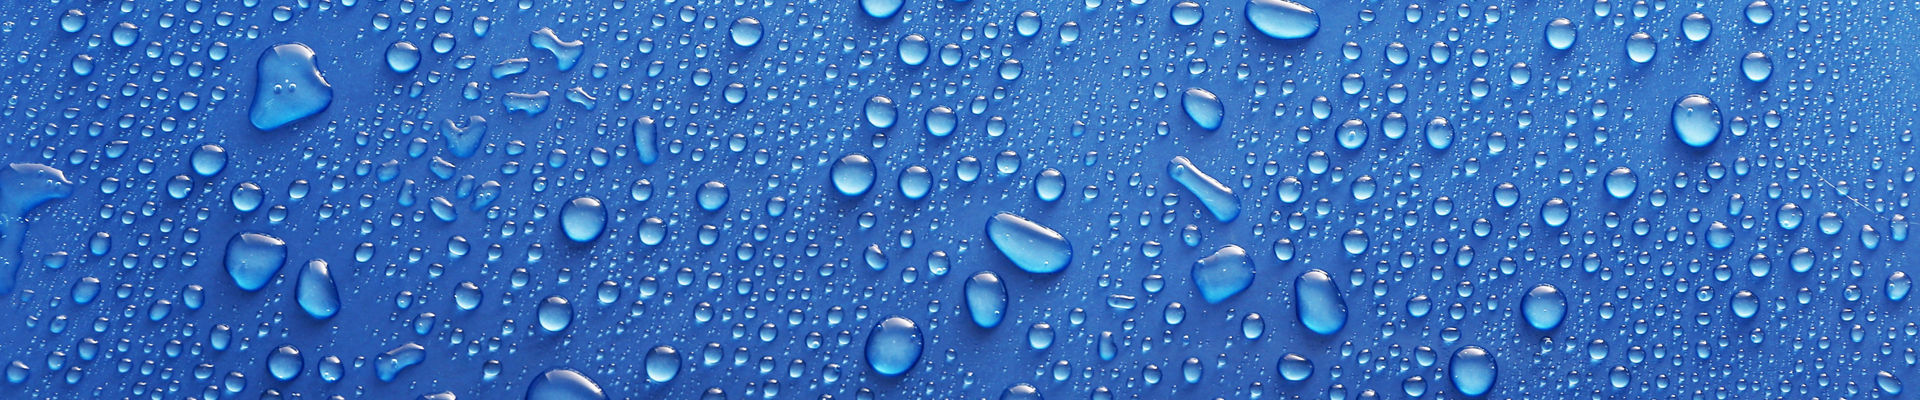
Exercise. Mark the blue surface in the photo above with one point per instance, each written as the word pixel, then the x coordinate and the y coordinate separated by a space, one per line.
pixel 639 199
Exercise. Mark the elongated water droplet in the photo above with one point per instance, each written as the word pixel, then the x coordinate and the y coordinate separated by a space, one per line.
pixel 1031 246
pixel 1318 302
pixel 986 299
pixel 1283 19
pixel 1216 197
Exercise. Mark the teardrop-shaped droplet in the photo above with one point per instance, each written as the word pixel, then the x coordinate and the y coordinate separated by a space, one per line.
pixel 1032 247
pixel 317 293
pixel 1204 108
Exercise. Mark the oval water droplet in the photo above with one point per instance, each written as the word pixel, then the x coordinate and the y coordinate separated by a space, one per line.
pixel 564 384
pixel 1032 247
pixel 1282 19
pixel 1203 107
pixel 1318 302
pixel 986 299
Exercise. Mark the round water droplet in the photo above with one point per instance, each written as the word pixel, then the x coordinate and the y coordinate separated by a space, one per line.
pixel 403 57
pixel 1439 133
pixel 1640 47
pixel 1031 246
pixel 1544 307
pixel 880 112
pixel 554 313
pixel 285 363
pixel 1352 134
pixel 1187 13
pixel 583 219
pixel 1472 371
pixel 1203 108
pixel 1696 120
pixel 209 159
pixel 1622 182
pixel 1283 19
pixel 712 196
pixel 1561 34
pixel 1696 27
pixel 893 346
pixel 663 364
pixel 852 175
pixel 941 121
pixel 253 258
pixel 745 32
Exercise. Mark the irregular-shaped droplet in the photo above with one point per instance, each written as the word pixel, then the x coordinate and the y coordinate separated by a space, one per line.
pixel 1317 300
pixel 564 384
pixel 1204 108
pixel 317 293
pixel 565 53
pixel 1216 197
pixel 986 299
pixel 583 219
pixel 1472 371
pixel 1283 19
pixel 893 346
pixel 852 175
pixel 23 187
pixel 463 141
pixel 1224 274
pixel 253 258
pixel 1696 120
pixel 1544 307
pixel 289 87
pixel 388 365
pixel 1032 247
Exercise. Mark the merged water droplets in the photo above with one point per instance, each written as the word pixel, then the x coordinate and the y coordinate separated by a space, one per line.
pixel 289 87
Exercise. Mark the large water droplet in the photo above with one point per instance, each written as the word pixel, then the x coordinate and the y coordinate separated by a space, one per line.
pixel 986 299
pixel 316 292
pixel 663 364
pixel 893 346
pixel 288 87
pixel 1224 274
pixel 880 112
pixel 583 219
pixel 1032 247
pixel 253 258
pixel 1544 307
pixel 882 8
pixel 1561 34
pixel 1696 120
pixel 852 175
pixel 1203 107
pixel 1318 302
pixel 285 363
pixel 1472 371
pixel 1282 19
pixel 564 384
pixel 1216 197
pixel 555 314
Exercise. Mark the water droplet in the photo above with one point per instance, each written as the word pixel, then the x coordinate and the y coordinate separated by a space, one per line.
pixel 285 363
pixel 986 299
pixel 1216 197
pixel 564 384
pixel 1696 120
pixel 882 9
pixel 403 57
pixel 555 314
pixel 1295 368
pixel 583 219
pixel 1472 371
pixel 663 364
pixel 1561 33
pixel 880 112
pixel 288 87
pixel 316 291
pixel 1282 19
pixel 253 258
pixel 893 346
pixel 745 32
pixel 1318 302
pixel 1203 108
pixel 1031 246
pixel 852 175
pixel 1224 274
pixel 1544 307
